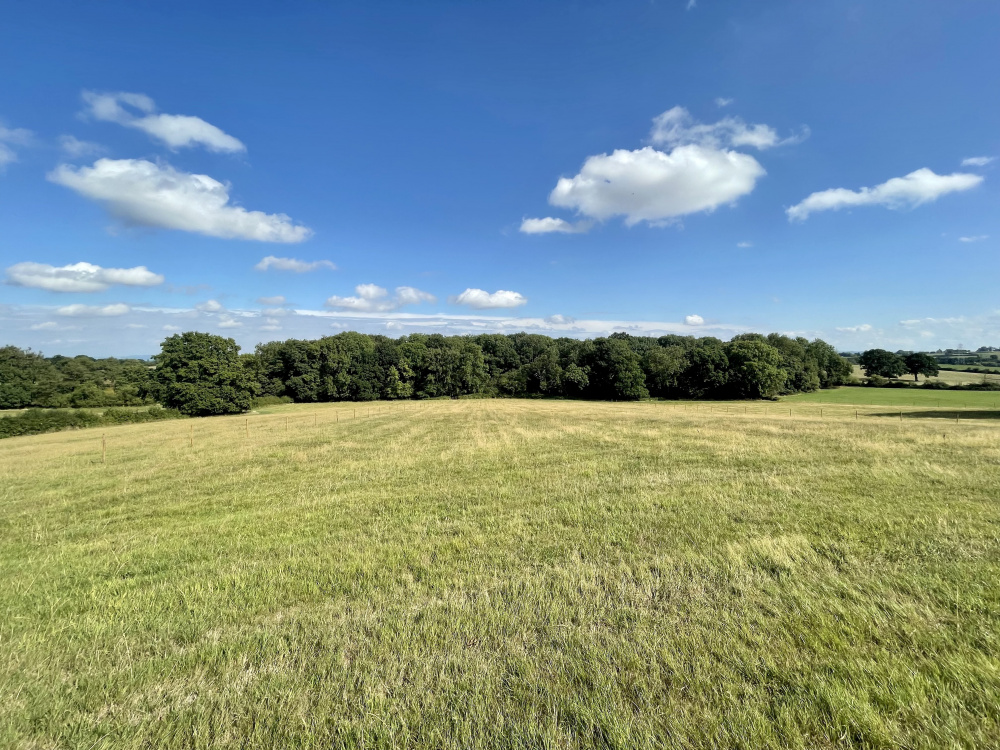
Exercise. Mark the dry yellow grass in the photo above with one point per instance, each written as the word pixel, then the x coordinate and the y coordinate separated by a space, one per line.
pixel 504 574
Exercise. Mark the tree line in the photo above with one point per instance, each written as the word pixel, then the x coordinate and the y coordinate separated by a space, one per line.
pixel 199 373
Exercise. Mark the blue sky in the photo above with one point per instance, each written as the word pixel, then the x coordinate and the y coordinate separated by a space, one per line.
pixel 822 169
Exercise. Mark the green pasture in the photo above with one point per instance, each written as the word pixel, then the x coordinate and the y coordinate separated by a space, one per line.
pixel 905 397
pixel 505 574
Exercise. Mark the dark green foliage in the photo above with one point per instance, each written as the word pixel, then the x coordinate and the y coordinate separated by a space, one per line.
pixel 37 421
pixel 200 374
pixel 755 369
pixel 882 363
pixel 918 364
pixel 29 379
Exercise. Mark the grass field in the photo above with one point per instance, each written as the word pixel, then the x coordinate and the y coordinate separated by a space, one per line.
pixel 902 397
pixel 505 574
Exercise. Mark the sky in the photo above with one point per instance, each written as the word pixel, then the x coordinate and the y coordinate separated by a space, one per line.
pixel 269 170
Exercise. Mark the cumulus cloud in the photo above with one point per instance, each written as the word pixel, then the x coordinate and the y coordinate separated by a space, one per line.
pixel 916 188
pixel 227 321
pixel 176 131
pixel 694 320
pixel 480 299
pixel 974 238
pixel 271 324
pixel 373 298
pixel 856 329
pixel 292 264
pixel 142 193
pixel 76 148
pixel 676 127
pixel 977 161
pixel 11 137
pixel 93 311
pixel 650 185
pixel 209 306
pixel 271 301
pixel 550 224
pixel 79 277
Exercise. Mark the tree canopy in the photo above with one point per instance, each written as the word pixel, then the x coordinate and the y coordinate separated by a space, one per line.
pixel 919 363
pixel 200 374
pixel 881 363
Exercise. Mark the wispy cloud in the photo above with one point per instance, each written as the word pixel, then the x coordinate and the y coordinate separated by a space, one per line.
pixel 916 188
pixel 176 131
pixel 977 161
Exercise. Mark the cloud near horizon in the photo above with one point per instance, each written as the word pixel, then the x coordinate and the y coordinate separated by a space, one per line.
pixel 480 299
pixel 292 264
pixel 373 298
pixel 916 188
pixel 176 131
pixel 79 277
pixel 141 193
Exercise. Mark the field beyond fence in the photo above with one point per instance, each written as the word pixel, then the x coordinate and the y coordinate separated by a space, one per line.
pixel 508 573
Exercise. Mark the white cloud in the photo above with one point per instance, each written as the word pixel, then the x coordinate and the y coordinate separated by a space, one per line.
pixel 75 148
pixel 97 311
pixel 692 4
pixel 136 326
pixel 272 301
pixel 176 131
pixel 11 137
pixel 856 329
pixel 694 320
pixel 721 101
pixel 271 324
pixel 292 264
pixel 550 224
pixel 974 238
pixel 171 328
pixel 79 277
pixel 977 161
pixel 227 321
pixel 676 127
pixel 145 194
pixel 699 170
pixel 48 325
pixel 480 299
pixel 373 298
pixel 650 185
pixel 744 244
pixel 916 188
pixel 209 306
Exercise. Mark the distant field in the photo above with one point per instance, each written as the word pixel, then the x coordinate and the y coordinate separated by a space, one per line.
pixel 917 397
pixel 951 377
pixel 482 574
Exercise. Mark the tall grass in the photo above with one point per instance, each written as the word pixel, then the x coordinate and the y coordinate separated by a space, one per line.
pixel 503 574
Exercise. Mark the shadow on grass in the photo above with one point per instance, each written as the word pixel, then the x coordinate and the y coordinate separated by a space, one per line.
pixel 943 414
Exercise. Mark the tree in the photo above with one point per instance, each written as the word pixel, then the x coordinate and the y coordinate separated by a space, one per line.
pixel 615 371
pixel 882 363
pixel 755 369
pixel 200 374
pixel 918 364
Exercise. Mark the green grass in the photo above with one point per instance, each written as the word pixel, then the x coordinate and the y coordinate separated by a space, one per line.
pixel 504 574
pixel 904 397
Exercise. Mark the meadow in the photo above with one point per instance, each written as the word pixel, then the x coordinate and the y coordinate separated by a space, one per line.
pixel 506 573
